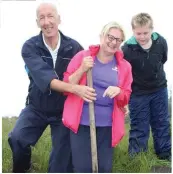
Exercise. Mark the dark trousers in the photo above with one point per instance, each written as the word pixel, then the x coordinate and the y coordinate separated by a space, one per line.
pixel 145 111
pixel 28 129
pixel 81 149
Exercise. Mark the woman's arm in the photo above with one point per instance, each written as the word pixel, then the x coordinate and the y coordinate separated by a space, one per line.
pixel 76 76
pixel 77 73
pixel 125 92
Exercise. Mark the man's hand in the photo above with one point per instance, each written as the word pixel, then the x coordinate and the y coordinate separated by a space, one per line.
pixel 86 93
pixel 112 91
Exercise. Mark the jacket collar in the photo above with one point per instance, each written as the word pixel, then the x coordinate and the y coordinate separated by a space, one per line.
pixel 94 49
pixel 64 41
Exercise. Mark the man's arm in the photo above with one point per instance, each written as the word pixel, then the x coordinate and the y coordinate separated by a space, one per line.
pixel 61 86
pixel 40 71
pixel 85 92
pixel 45 77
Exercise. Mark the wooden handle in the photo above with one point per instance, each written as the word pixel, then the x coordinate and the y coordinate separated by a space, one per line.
pixel 92 127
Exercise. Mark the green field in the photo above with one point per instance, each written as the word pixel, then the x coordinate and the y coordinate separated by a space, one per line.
pixel 40 154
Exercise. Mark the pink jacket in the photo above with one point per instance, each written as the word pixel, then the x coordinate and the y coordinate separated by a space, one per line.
pixel 74 104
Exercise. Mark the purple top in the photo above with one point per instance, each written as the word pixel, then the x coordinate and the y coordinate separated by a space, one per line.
pixel 104 75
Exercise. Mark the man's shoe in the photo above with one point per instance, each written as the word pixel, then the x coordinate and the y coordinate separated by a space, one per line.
pixel 28 167
pixel 165 156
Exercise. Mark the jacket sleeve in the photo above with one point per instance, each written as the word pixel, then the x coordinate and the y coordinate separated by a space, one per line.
pixel 165 51
pixel 40 71
pixel 124 96
pixel 126 52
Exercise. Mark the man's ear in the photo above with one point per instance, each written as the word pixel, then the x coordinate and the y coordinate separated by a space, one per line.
pixel 38 25
pixel 59 19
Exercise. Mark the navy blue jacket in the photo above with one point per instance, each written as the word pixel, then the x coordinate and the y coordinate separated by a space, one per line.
pixel 147 66
pixel 39 65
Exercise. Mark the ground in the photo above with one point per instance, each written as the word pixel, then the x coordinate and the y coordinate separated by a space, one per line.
pixel 143 163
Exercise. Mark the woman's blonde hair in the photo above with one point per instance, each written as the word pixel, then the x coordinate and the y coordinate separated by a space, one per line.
pixel 142 19
pixel 110 25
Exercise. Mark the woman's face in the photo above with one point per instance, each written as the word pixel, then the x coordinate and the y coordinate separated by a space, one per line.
pixel 111 41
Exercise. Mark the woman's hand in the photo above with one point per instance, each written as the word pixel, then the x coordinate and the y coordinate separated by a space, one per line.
pixel 126 110
pixel 112 91
pixel 87 63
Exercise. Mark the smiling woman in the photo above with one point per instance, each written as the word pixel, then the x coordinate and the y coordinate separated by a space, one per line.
pixel 112 79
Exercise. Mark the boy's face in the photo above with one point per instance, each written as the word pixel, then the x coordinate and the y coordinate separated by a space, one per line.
pixel 142 34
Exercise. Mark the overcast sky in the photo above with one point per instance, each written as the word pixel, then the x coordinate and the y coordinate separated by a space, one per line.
pixel 81 20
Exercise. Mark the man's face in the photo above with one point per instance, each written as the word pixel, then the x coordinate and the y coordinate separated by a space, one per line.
pixel 48 20
pixel 111 41
pixel 142 34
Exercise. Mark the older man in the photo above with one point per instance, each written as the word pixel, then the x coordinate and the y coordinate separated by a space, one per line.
pixel 46 57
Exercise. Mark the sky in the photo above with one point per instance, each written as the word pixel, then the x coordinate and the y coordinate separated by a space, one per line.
pixel 81 20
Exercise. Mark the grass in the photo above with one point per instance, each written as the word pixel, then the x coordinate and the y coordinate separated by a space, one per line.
pixel 40 154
